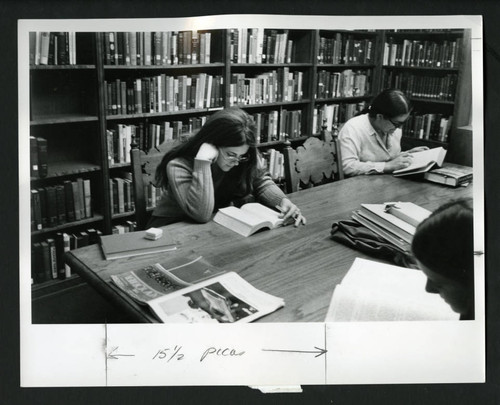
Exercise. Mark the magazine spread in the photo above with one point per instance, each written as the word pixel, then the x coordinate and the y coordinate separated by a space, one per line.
pixel 192 290
pixel 227 298
pixel 156 280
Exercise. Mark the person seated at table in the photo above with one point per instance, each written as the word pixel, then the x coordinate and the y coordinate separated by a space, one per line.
pixel 218 166
pixel 444 248
pixel 370 142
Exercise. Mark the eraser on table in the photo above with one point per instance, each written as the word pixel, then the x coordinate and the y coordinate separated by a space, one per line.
pixel 154 233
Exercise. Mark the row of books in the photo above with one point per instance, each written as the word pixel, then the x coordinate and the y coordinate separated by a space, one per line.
pixel 47 256
pixel 348 83
pixel 431 126
pixel 52 48
pixel 334 114
pixel 274 161
pixel 59 204
pixel 157 48
pixel 163 93
pixel 147 136
pixel 277 125
pixel 278 85
pixel 127 226
pixel 422 86
pixel 121 193
pixel 254 45
pixel 38 157
pixel 345 49
pixel 417 53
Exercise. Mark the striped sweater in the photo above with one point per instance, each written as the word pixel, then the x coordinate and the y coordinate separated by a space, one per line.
pixel 196 188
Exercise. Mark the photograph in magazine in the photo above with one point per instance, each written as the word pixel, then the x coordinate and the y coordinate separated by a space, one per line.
pixel 273 171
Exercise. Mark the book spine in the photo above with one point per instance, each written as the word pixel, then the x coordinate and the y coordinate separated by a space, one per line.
pixel 42 156
pixel 53 258
pixel 36 212
pixel 34 166
pixel 87 198
pixel 51 206
pixel 43 206
pixel 76 200
pixel 47 265
pixel 38 263
pixel 61 204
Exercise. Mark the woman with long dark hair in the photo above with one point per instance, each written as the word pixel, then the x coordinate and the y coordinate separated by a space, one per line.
pixel 218 166
pixel 371 142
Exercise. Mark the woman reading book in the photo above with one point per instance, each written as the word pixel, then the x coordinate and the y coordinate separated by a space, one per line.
pixel 218 166
pixel 371 141
pixel 443 246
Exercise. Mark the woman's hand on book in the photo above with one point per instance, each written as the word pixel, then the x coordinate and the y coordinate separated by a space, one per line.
pixel 401 161
pixel 290 210
pixel 207 152
pixel 417 149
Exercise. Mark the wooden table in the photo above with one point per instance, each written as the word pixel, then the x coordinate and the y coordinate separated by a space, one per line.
pixel 301 265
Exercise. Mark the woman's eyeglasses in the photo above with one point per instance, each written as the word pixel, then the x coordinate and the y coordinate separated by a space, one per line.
pixel 230 157
pixel 396 124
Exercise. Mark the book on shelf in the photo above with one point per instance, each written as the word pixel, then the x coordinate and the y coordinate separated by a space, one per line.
pixel 42 156
pixel 38 265
pixel 53 258
pixel 62 246
pixel 36 216
pixel 34 167
pixel 61 203
pixel 423 161
pixel 374 291
pixel 43 206
pixel 249 218
pixel 191 290
pixel 450 174
pixel 134 244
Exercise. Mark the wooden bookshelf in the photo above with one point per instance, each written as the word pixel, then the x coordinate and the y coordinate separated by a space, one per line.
pixel 70 104
pixel 427 66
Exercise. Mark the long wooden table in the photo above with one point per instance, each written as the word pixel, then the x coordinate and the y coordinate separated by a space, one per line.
pixel 301 265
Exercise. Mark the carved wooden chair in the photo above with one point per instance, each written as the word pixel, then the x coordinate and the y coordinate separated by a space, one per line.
pixel 143 179
pixel 317 161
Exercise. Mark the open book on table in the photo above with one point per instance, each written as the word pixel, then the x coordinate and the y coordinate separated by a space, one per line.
pixel 423 161
pixel 249 218
pixel 190 290
pixel 374 291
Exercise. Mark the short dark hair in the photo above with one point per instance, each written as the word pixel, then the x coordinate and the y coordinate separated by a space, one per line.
pixel 390 103
pixel 444 242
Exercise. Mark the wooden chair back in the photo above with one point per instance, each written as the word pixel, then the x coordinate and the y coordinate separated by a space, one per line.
pixel 317 161
pixel 143 180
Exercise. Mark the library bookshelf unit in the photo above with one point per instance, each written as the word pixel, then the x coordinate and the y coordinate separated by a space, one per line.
pixel 427 67
pixel 92 93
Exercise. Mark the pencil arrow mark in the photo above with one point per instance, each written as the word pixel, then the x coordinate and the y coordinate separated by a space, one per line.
pixel 114 356
pixel 318 351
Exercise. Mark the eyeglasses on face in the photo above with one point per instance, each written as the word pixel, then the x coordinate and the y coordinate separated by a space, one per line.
pixel 396 124
pixel 231 157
